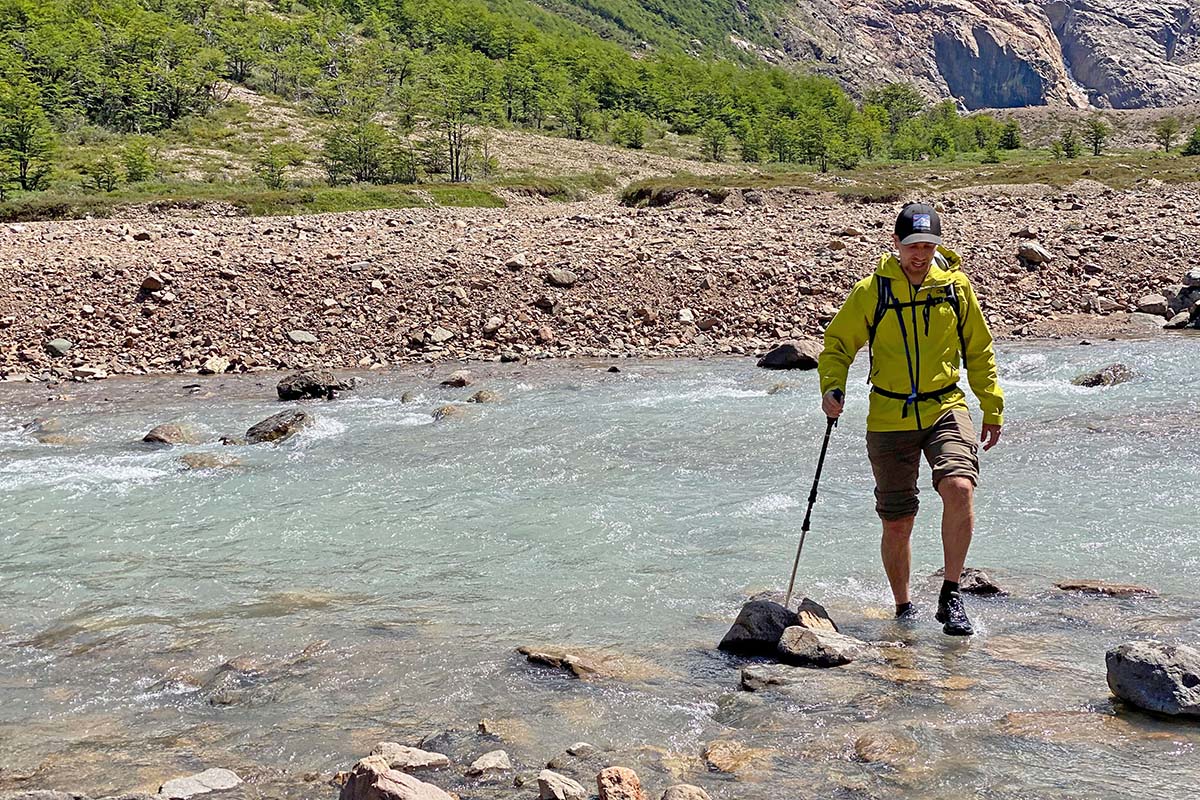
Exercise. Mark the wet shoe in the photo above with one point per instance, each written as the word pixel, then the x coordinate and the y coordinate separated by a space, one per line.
pixel 953 616
pixel 909 614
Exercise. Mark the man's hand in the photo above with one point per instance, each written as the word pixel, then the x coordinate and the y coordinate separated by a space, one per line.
pixel 989 435
pixel 832 403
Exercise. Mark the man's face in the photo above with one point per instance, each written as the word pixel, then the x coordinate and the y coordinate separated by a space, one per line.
pixel 915 258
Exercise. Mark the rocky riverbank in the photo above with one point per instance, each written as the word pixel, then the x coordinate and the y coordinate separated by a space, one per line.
pixel 87 299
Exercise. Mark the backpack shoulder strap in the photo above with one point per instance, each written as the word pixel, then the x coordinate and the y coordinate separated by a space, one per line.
pixel 953 299
pixel 883 301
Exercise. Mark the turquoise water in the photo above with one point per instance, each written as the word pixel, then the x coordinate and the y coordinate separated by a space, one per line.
pixel 374 575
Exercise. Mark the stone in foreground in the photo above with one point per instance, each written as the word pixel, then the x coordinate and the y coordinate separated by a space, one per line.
pixel 211 780
pixel 281 426
pixel 758 627
pixel 619 783
pixel 805 647
pixel 685 791
pixel 373 779
pixel 552 786
pixel 406 758
pixel 1157 677
pixel 792 355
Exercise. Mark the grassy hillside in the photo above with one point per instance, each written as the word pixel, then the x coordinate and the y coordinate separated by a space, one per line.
pixel 282 106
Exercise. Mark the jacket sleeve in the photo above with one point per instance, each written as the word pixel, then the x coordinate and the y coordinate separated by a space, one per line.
pixel 980 359
pixel 844 337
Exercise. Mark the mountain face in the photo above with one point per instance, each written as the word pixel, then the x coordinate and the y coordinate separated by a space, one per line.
pixel 1003 53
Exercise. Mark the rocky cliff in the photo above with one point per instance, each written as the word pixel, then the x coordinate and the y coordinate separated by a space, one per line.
pixel 1006 53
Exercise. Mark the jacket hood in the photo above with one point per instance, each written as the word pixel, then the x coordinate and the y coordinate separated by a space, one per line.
pixel 945 262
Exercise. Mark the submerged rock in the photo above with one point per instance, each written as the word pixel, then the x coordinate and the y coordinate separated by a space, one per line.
pixel 735 758
pixel 406 758
pixel 373 779
pixel 1157 677
pixel 448 411
pixel 1107 376
pixel 587 664
pixel 484 396
pixel 1107 589
pixel 281 426
pixel 310 384
pixel 884 747
pixel 552 786
pixel 685 791
pixel 619 783
pixel 792 355
pixel 210 780
pixel 208 461
pixel 806 647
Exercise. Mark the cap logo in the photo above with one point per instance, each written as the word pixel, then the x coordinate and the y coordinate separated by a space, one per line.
pixel 921 222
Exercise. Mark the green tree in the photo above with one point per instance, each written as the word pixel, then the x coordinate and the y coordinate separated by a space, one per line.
pixel 752 144
pixel 136 158
pixel 354 153
pixel 26 139
pixel 1010 136
pixel 1165 131
pixel 630 130
pixel 1096 133
pixel 843 154
pixel 1192 148
pixel 578 112
pixel 273 161
pixel 867 129
pixel 901 100
pixel 911 141
pixel 1070 144
pixel 714 139
pixel 992 154
pixel 104 173
pixel 458 99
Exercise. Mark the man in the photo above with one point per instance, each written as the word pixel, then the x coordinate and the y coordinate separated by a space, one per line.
pixel 920 318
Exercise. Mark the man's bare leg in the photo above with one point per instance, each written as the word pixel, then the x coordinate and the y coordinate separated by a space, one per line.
pixel 958 523
pixel 896 549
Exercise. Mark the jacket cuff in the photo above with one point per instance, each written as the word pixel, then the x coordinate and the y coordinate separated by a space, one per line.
pixel 990 418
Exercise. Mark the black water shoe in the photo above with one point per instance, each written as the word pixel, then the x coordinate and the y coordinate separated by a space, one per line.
pixel 953 616
pixel 906 612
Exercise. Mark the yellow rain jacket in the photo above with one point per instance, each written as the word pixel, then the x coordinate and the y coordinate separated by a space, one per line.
pixel 920 355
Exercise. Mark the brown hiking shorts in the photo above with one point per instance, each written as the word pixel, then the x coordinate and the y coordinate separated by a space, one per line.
pixel 949 446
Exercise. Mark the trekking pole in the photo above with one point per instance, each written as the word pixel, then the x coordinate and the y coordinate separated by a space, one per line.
pixel 830 424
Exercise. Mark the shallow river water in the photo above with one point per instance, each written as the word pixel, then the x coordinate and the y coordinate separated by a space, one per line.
pixel 372 578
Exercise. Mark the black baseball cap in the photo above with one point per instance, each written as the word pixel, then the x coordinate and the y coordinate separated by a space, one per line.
pixel 919 222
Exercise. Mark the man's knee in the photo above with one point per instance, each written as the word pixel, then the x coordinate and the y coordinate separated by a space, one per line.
pixel 898 529
pixel 956 489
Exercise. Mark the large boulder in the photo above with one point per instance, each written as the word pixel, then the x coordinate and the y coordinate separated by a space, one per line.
pixel 373 779
pixel 310 384
pixel 758 627
pixel 210 780
pixel 281 426
pixel 805 647
pixel 1157 677
pixel 1106 376
pixel 792 355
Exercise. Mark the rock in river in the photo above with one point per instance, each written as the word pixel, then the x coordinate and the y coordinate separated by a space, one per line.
pixel 1157 677
pixel 279 427
pixel 792 355
pixel 373 779
pixel 818 648
pixel 210 780
pixel 762 621
pixel 619 783
pixel 406 758
pixel 1107 376
pixel 310 384
pixel 173 434
pixel 552 786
